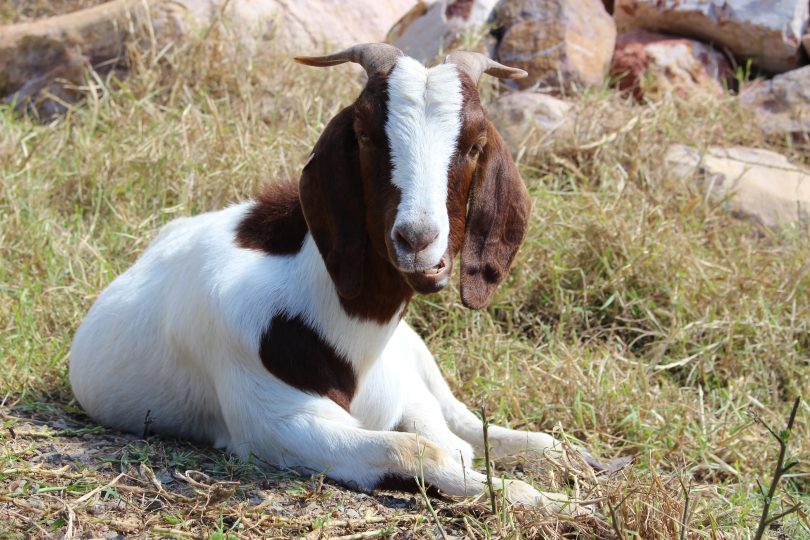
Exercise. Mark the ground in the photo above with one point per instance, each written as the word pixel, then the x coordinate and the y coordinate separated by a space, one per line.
pixel 640 319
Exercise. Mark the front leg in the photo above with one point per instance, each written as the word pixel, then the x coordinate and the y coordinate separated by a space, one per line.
pixel 462 422
pixel 290 428
pixel 422 415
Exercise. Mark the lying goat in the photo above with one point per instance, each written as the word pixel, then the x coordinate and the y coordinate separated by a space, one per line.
pixel 274 327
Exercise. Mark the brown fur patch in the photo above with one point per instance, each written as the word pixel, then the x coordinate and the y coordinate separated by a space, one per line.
pixel 275 224
pixel 297 355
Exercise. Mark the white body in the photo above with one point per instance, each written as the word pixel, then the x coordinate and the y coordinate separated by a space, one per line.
pixel 178 334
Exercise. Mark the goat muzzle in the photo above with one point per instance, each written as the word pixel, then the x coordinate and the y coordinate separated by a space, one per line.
pixel 433 279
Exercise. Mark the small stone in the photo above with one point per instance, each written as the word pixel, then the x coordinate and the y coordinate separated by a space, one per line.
pixel 165 476
pixel 781 105
pixel 154 505
pixel 754 184
pixel 97 509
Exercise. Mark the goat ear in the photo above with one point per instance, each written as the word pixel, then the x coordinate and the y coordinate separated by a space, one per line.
pixel 497 219
pixel 332 200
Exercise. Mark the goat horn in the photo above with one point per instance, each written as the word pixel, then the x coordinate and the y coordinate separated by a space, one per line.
pixel 374 57
pixel 474 64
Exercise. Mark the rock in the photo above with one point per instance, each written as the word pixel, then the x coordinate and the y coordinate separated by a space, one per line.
pixel 429 29
pixel 767 31
pixel 648 63
pixel 35 54
pixel 561 43
pixel 781 105
pixel 307 26
pixel 530 116
pixel 755 184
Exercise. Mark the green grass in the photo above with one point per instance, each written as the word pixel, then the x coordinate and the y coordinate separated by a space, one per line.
pixel 639 318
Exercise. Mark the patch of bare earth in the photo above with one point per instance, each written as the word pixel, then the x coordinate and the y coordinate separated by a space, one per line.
pixel 72 479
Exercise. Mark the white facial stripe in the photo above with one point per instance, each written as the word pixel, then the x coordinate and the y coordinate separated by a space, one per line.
pixel 423 127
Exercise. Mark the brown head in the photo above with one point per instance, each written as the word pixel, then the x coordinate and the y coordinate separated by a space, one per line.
pixel 414 171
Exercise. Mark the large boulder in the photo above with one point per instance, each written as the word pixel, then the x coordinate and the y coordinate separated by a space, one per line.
pixel 646 63
pixel 307 26
pixel 35 55
pixel 560 43
pixel 754 184
pixel 781 105
pixel 526 117
pixel 767 31
pixel 431 28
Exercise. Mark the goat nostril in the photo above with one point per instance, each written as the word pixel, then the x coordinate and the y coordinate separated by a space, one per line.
pixel 415 240
pixel 403 240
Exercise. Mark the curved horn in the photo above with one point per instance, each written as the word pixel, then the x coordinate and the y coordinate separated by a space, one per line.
pixel 474 64
pixel 373 57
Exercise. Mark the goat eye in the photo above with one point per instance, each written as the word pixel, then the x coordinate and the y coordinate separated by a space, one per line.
pixel 475 151
pixel 363 138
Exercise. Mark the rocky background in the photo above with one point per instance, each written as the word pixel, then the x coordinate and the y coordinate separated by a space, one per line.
pixel 756 51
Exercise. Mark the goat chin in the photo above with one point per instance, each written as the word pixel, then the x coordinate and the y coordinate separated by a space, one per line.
pixel 431 280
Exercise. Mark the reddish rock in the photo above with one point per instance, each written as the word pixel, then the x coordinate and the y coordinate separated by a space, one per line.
pixel 648 63
pixel 766 31
pixel 561 43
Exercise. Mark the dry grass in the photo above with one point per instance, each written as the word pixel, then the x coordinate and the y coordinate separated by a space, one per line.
pixel 641 318
pixel 17 11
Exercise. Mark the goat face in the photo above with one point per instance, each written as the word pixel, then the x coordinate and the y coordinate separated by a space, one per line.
pixel 412 168
pixel 413 144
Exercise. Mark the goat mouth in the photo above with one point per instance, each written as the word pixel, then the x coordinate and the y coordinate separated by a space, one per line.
pixel 432 279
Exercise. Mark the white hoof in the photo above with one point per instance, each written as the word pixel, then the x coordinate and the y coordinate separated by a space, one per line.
pixel 522 494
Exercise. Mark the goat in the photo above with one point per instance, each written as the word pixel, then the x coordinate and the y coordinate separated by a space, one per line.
pixel 274 327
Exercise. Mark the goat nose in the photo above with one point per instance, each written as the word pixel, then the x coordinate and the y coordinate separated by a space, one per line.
pixel 415 238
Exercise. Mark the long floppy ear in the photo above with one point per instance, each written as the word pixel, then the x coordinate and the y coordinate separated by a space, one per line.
pixel 497 219
pixel 332 199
